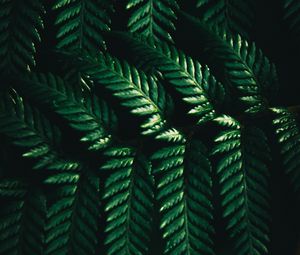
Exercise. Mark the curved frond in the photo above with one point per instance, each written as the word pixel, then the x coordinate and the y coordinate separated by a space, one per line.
pixel 239 65
pixel 183 180
pixel 81 23
pixel 20 25
pixel 243 176
pixel 27 128
pixel 153 19
pixel 192 80
pixel 129 194
pixel 135 90
pixel 291 10
pixel 54 93
pixel 73 218
pixel 22 218
pixel 288 137
pixel 234 15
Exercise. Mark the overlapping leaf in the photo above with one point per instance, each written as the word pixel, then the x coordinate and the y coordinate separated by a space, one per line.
pixel 134 89
pixel 152 19
pixel 188 77
pixel 73 218
pixel 291 10
pixel 238 64
pixel 129 194
pixel 69 104
pixel 22 218
pixel 288 136
pixel 81 23
pixel 28 129
pixel 243 176
pixel 183 180
pixel 20 25
pixel 234 15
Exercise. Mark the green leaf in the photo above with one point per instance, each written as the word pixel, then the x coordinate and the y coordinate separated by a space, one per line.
pixel 152 19
pixel 50 90
pixel 20 25
pixel 22 218
pixel 288 137
pixel 72 219
pixel 129 194
pixel 187 76
pixel 291 11
pixel 238 64
pixel 81 23
pixel 235 16
pixel 133 88
pixel 183 180
pixel 28 129
pixel 243 176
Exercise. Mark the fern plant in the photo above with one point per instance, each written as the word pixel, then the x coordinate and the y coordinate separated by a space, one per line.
pixel 153 127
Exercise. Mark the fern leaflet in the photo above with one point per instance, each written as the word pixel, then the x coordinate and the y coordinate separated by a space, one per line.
pixel 53 92
pixel 243 176
pixel 129 194
pixel 81 23
pixel 28 129
pixel 239 65
pixel 187 76
pixel 153 19
pixel 20 23
pixel 234 15
pixel 291 9
pixel 135 90
pixel 288 137
pixel 72 220
pixel 22 218
pixel 182 173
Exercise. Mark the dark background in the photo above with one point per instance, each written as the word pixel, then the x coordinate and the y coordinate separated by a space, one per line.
pixel 272 35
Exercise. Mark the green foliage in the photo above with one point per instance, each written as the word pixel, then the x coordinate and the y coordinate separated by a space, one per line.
pixel 152 19
pixel 27 128
pixel 243 175
pixel 288 137
pixel 129 194
pixel 138 92
pixel 81 23
pixel 126 143
pixel 291 9
pixel 22 218
pixel 84 116
pixel 234 15
pixel 239 65
pixel 72 219
pixel 183 173
pixel 194 82
pixel 20 25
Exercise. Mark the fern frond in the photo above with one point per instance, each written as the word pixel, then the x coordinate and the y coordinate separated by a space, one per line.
pixel 81 23
pixel 235 16
pixel 22 218
pixel 243 176
pixel 136 91
pixel 288 137
pixel 183 179
pixel 28 129
pixel 291 11
pixel 51 91
pixel 187 76
pixel 129 194
pixel 239 65
pixel 72 220
pixel 20 25
pixel 152 19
